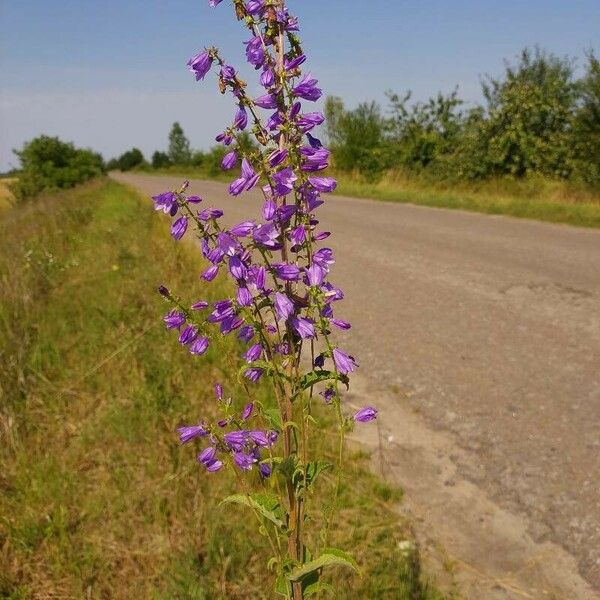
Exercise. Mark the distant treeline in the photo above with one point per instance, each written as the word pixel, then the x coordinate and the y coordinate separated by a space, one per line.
pixel 536 119
pixel 178 154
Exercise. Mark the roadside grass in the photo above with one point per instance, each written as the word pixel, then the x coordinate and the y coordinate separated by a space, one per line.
pixel 533 198
pixel 97 498
pixel 6 197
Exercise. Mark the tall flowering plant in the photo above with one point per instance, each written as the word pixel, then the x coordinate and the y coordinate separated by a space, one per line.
pixel 282 308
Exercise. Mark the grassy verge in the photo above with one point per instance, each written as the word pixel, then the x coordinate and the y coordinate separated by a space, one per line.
pixel 535 198
pixel 6 197
pixel 539 198
pixel 97 499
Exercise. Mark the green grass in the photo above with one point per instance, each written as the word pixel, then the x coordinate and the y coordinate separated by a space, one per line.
pixel 97 499
pixel 534 198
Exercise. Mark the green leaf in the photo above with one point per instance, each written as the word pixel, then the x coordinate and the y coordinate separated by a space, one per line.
pixel 273 418
pixel 266 505
pixel 329 558
pixel 319 375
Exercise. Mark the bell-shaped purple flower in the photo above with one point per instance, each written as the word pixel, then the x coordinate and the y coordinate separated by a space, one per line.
pixel 189 432
pixel 244 297
pixel 315 275
pixel 253 353
pixel 247 412
pixel 237 268
pixel 255 52
pixel 343 362
pixel 246 333
pixel 236 440
pixel 188 335
pixel 366 414
pixel 267 78
pixel 323 184
pixel 277 157
pixel 166 202
pixel 284 307
pixel 229 160
pixel 174 319
pixel 266 101
pixel 286 272
pixel 307 89
pixel 284 181
pixel 341 324
pixel 210 273
pixel 199 346
pixel 303 327
pixel 243 461
pixel 207 455
pixel 309 121
pixel 179 228
pixel 253 374
pixel 243 229
pixel 241 119
pixel 200 64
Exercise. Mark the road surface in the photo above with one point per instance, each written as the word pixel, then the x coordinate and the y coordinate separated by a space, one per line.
pixel 489 328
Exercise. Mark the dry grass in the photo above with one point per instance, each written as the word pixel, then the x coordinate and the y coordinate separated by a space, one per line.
pixel 6 197
pixel 533 198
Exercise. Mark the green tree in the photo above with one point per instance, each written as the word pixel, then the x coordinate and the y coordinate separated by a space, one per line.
pixel 48 163
pixel 179 146
pixel 528 116
pixel 130 159
pixel 586 125
pixel 357 137
pixel 160 159
pixel 423 132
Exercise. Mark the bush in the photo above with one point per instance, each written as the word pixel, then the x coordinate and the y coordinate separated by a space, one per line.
pixel 160 160
pixel 47 163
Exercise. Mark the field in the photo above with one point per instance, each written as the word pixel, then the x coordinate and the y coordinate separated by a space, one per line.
pixel 98 500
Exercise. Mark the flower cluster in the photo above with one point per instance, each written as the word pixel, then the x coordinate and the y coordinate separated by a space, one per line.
pixel 228 439
pixel 283 308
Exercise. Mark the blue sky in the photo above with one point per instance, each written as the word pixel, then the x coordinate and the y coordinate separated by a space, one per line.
pixel 111 74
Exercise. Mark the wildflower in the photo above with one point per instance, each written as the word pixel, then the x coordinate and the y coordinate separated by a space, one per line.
pixel 241 119
pixel 253 353
pixel 247 411
pixel 266 101
pixel 243 461
pixel 199 346
pixel 189 432
pixel 284 181
pixel 179 228
pixel 210 273
pixel 253 374
pixel 343 362
pixel 323 184
pixel 286 272
pixel 174 319
pixel 200 64
pixel 307 89
pixel 188 335
pixel 364 415
pixel 303 327
pixel 229 160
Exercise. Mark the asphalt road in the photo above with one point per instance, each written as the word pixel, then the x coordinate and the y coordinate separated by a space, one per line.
pixel 493 326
